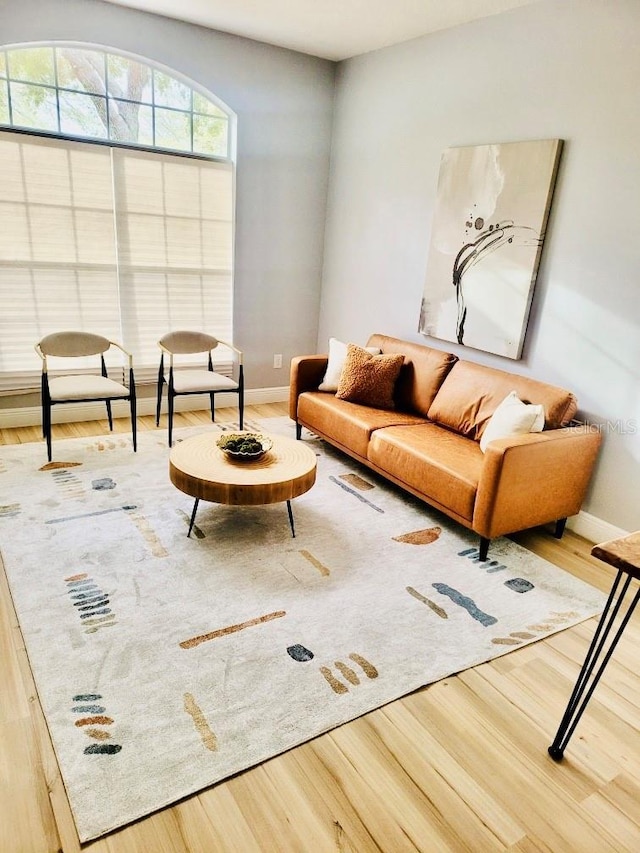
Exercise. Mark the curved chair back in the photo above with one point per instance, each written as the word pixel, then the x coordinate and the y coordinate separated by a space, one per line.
pixel 73 344
pixel 184 342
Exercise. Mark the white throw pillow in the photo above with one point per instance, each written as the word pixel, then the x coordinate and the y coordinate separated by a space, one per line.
pixel 337 356
pixel 512 417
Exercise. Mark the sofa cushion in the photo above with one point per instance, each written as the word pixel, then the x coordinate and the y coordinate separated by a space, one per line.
pixel 369 379
pixel 347 424
pixel 436 462
pixel 421 375
pixel 335 363
pixel 471 393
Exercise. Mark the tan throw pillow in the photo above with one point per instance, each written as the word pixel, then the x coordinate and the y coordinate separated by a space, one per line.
pixel 369 379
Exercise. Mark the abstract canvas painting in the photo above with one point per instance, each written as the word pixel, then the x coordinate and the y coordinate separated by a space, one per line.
pixel 488 230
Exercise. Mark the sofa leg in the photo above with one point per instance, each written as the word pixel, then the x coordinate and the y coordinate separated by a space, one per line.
pixel 560 524
pixel 298 431
pixel 484 548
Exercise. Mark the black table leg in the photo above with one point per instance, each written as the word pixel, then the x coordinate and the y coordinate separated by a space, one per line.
pixel 193 516
pixel 583 690
pixel 195 509
pixel 290 511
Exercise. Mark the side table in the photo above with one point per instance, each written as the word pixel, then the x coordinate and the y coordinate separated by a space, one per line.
pixel 624 555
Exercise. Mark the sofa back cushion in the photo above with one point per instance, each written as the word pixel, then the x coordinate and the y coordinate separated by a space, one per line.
pixel 421 375
pixel 472 392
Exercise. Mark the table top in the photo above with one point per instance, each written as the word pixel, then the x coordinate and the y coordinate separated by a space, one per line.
pixel 623 553
pixel 199 468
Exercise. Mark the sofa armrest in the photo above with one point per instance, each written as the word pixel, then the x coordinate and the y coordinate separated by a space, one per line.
pixel 533 479
pixel 307 372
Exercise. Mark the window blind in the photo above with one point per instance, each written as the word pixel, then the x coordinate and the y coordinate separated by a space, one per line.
pixel 124 243
pixel 58 263
pixel 175 248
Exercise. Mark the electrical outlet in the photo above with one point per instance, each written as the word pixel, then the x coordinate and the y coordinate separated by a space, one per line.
pixel 277 360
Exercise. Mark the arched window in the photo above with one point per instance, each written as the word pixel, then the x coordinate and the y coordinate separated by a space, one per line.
pixel 86 93
pixel 116 205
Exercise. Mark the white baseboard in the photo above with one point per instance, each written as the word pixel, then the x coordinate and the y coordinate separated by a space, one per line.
pixel 594 529
pixel 32 415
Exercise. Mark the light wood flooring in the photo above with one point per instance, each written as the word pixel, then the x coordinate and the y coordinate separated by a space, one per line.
pixel 459 766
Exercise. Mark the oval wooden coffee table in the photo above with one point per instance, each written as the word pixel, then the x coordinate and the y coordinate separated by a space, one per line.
pixel 200 469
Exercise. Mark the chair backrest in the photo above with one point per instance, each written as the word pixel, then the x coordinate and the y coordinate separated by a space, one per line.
pixel 73 344
pixel 185 342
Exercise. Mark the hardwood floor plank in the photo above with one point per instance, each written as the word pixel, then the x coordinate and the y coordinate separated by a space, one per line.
pixel 605 811
pixel 483 823
pixel 263 808
pixel 27 823
pixel 14 703
pixel 623 792
pixel 533 844
pixel 529 721
pixel 321 776
pixel 479 743
pixel 375 797
pixel 216 819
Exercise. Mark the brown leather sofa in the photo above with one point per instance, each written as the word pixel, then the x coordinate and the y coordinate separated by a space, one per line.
pixel 429 443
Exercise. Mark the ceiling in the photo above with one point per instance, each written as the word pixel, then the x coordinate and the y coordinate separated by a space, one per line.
pixel 332 29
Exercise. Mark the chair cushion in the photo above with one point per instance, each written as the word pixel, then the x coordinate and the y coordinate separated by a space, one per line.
pixel 193 381
pixel 85 387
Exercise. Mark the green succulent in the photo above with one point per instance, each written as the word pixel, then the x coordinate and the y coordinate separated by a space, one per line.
pixel 245 444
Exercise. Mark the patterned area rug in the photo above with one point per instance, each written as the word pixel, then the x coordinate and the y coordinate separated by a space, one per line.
pixel 165 664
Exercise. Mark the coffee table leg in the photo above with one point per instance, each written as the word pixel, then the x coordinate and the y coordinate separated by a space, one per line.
pixel 193 516
pixel 290 511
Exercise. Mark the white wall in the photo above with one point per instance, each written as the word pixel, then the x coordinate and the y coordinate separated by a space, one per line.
pixel 283 101
pixel 566 69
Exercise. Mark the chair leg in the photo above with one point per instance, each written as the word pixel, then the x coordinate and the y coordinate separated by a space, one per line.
pixel 132 403
pixel 46 428
pixel 298 430
pixel 170 407
pixel 159 400
pixel 109 415
pixel 45 402
pixel 241 396
pixel 212 398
